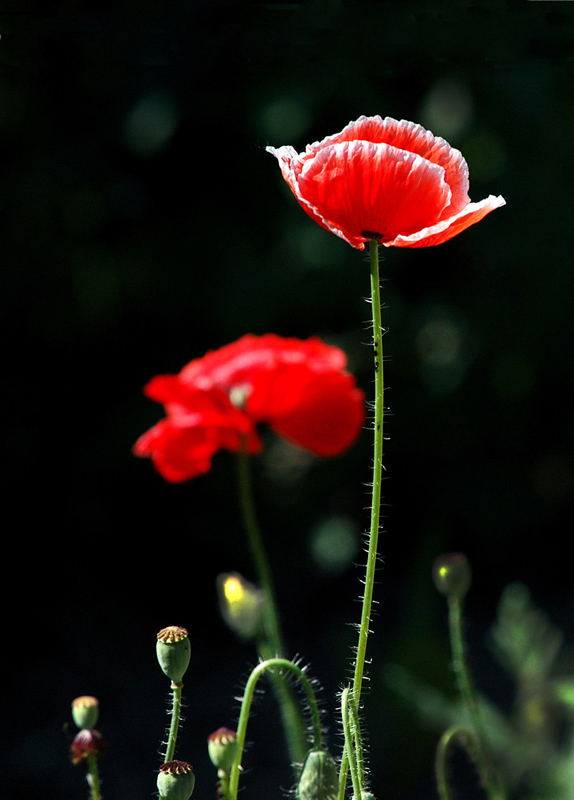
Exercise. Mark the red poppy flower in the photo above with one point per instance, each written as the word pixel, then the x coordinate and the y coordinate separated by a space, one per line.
pixel 299 388
pixel 386 180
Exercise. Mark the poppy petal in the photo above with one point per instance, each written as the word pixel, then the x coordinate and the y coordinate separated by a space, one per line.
pixel 446 229
pixel 358 187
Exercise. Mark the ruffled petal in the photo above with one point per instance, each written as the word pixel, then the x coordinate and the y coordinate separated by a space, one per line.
pixel 413 138
pixel 239 363
pixel 370 191
pixel 182 448
pixel 445 230
pixel 326 412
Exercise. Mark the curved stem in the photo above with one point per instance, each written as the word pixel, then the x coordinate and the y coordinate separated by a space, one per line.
pixel 175 717
pixel 442 750
pixel 468 695
pixel 257 672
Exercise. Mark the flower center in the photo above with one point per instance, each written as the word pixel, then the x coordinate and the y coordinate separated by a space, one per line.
pixel 239 395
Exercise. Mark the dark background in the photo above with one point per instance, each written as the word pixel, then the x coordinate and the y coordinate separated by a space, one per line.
pixel 142 223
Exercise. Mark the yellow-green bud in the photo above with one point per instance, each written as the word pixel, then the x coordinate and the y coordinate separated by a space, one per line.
pixel 173 652
pixel 175 780
pixel 222 748
pixel 85 711
pixel 452 575
pixel 319 779
pixel 241 604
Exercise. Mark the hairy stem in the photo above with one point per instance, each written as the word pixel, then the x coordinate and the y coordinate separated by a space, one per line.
pixel 377 475
pixel 375 498
pixel 175 718
pixel 276 665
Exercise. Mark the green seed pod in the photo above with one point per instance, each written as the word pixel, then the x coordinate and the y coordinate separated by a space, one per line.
pixel 452 575
pixel 85 711
pixel 175 780
pixel 222 748
pixel 319 780
pixel 173 652
pixel 241 605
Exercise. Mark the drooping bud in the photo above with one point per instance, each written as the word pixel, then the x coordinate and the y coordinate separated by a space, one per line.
pixel 452 575
pixel 241 604
pixel 222 748
pixel 319 779
pixel 85 711
pixel 87 743
pixel 175 780
pixel 173 652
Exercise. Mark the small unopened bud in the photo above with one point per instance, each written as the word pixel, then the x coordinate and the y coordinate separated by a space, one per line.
pixel 222 748
pixel 452 575
pixel 173 652
pixel 87 743
pixel 319 779
pixel 241 604
pixel 85 711
pixel 175 780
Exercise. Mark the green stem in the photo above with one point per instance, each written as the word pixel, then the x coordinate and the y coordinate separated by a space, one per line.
pixel 377 475
pixel 257 672
pixel 255 542
pixel 375 499
pixel 441 760
pixel 95 788
pixel 175 718
pixel 272 644
pixel 224 785
pixel 353 743
pixel 470 701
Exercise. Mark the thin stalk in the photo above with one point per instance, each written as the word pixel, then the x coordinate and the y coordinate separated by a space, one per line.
pixel 259 555
pixel 353 745
pixel 257 672
pixel 271 645
pixel 377 475
pixel 375 498
pixel 441 760
pixel 470 700
pixel 94 778
pixel 175 718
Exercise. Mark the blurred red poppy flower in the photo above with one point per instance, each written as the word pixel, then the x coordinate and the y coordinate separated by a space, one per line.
pixel 386 180
pixel 299 388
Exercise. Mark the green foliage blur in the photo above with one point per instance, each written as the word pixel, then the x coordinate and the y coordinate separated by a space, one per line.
pixel 142 224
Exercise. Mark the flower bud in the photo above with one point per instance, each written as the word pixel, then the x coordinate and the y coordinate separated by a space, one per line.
pixel 175 780
pixel 87 743
pixel 173 652
pixel 222 748
pixel 85 711
pixel 452 575
pixel 241 604
pixel 319 779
